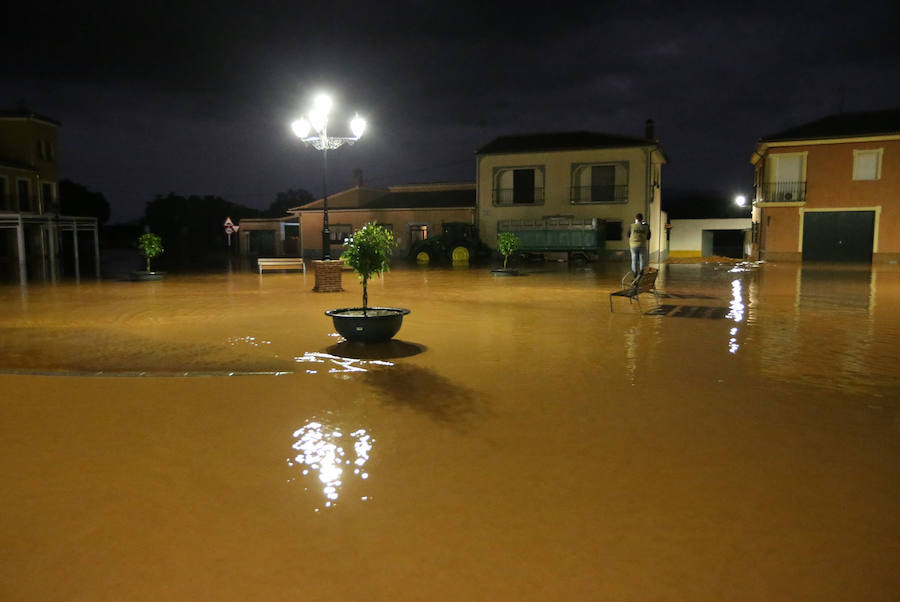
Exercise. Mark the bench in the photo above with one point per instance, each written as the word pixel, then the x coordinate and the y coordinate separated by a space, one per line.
pixel 281 263
pixel 645 283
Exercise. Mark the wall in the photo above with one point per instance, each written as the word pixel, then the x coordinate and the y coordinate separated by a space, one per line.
pixel 686 235
pixel 557 183
pixel 830 185
pixel 32 143
pixel 399 220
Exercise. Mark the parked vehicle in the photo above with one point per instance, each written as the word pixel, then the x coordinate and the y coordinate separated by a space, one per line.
pixel 583 239
pixel 458 241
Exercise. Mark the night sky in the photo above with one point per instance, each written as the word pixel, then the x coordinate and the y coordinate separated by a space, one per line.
pixel 197 98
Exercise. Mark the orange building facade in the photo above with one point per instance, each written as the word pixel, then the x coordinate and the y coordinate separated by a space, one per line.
pixel 830 190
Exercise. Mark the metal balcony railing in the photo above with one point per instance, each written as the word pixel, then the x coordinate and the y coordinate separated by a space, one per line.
pixel 599 194
pixel 783 192
pixel 518 196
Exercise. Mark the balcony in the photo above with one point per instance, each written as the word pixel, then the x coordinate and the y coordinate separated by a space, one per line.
pixel 518 196
pixel 783 192
pixel 599 194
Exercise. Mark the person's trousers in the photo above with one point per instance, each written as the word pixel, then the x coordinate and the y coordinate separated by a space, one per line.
pixel 640 257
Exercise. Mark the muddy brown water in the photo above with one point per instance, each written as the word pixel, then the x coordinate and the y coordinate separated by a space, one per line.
pixel 210 438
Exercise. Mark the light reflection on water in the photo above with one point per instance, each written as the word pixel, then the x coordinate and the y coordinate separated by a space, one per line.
pixel 324 459
pixel 337 364
pixel 736 313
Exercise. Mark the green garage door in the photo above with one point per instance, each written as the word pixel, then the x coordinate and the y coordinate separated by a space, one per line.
pixel 838 235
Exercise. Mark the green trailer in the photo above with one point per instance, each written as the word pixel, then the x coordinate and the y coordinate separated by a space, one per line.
pixel 579 237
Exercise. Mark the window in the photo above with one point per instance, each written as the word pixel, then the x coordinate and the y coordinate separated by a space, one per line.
pixel 417 232
pixel 599 183
pixel 519 186
pixel 47 200
pixel 4 198
pixel 339 232
pixel 613 230
pixel 867 164
pixel 786 178
pixel 23 195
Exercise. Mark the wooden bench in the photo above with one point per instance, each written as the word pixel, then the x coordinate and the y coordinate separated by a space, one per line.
pixel 281 263
pixel 645 283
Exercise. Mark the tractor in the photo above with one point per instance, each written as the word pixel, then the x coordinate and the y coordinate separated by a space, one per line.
pixel 458 242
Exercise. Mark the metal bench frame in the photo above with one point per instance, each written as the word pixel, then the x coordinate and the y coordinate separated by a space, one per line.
pixel 644 284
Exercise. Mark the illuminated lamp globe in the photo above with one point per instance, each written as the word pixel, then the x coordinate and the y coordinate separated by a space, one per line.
pixel 301 128
pixel 322 103
pixel 358 126
pixel 740 200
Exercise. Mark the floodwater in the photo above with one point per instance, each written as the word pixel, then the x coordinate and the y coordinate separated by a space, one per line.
pixel 210 438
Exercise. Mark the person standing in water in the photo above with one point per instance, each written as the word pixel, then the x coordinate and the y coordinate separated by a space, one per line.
pixel 638 235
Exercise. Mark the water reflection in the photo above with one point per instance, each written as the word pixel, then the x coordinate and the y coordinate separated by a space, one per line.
pixel 425 391
pixel 392 349
pixel 736 313
pixel 823 286
pixel 322 456
pixel 336 364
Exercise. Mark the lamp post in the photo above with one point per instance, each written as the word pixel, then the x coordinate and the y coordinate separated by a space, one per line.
pixel 316 122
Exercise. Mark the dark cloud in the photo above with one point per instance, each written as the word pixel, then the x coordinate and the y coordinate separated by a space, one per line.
pixel 196 97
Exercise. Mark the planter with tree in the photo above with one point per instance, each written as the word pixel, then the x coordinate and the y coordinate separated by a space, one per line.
pixel 150 246
pixel 368 253
pixel 507 244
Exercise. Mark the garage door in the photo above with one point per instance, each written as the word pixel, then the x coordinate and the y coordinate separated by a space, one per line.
pixel 838 235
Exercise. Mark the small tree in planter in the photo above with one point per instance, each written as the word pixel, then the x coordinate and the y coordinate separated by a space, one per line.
pixel 369 252
pixel 507 244
pixel 150 246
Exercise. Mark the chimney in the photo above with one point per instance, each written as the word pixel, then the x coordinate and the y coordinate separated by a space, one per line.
pixel 357 178
pixel 650 130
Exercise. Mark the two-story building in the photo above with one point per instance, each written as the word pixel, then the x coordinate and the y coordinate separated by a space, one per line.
pixel 829 190
pixel 574 192
pixel 30 224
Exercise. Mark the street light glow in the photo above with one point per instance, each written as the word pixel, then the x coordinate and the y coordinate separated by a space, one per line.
pixel 322 103
pixel 317 119
pixel 357 126
pixel 301 127
pixel 740 200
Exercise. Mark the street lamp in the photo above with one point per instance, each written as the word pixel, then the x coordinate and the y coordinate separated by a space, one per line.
pixel 740 200
pixel 315 122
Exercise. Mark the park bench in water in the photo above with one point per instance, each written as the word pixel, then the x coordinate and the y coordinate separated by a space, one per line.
pixel 281 263
pixel 645 284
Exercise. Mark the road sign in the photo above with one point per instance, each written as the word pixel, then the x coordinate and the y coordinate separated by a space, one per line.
pixel 228 222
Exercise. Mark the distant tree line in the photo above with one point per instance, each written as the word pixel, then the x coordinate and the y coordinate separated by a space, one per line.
pixel 192 227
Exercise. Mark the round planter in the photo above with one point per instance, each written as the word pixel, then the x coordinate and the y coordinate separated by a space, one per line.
pixel 505 272
pixel 379 324
pixel 144 275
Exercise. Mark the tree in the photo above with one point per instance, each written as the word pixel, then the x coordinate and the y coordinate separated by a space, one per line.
pixel 288 200
pixel 507 243
pixel 368 252
pixel 150 245
pixel 193 226
pixel 75 199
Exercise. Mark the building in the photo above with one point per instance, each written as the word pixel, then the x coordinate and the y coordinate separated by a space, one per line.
pixel 31 243
pixel 412 212
pixel 571 191
pixel 829 190
pixel 703 224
